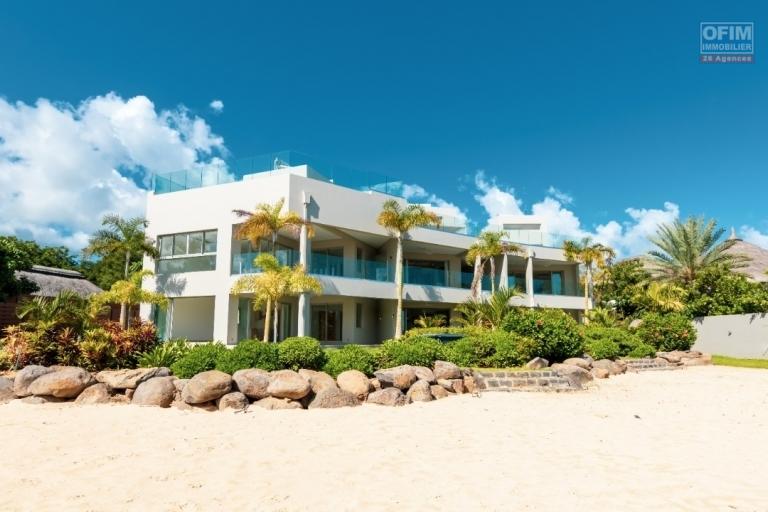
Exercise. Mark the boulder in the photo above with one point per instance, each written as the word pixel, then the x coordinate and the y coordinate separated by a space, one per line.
pixel 424 373
pixel 252 382
pixel 420 391
pixel 588 358
pixel 235 401
pixel 606 364
pixel 42 400
pixel 179 384
pixel 375 385
pixel 66 382
pixel 577 376
pixel 130 379
pixel 388 396
pixel 319 381
pixel 400 377
pixel 537 363
pixel 621 365
pixel 660 361
pixel 272 403
pixel 129 393
pixel 694 361
pixel 25 377
pixel 6 389
pixel 578 361
pixel 288 384
pixel 96 394
pixel 470 384
pixel 452 385
pixel 446 370
pixel 600 373
pixel 119 399
pixel 355 382
pixel 673 357
pixel 331 398
pixel 439 391
pixel 206 387
pixel 157 391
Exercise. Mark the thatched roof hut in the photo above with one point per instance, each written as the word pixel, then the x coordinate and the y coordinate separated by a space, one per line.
pixel 51 281
pixel 757 264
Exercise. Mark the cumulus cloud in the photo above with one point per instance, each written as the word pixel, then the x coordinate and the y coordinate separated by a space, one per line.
pixel 494 199
pixel 217 105
pixel 414 193
pixel 62 167
pixel 560 195
pixel 754 236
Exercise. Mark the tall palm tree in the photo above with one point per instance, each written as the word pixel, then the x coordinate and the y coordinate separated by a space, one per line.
pixel 399 221
pixel 487 312
pixel 488 246
pixel 684 249
pixel 590 255
pixel 129 292
pixel 122 236
pixel 267 221
pixel 274 283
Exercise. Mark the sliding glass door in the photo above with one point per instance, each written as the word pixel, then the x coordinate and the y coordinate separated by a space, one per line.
pixel 326 322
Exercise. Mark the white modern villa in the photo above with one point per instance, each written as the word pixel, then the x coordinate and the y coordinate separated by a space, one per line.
pixel 190 214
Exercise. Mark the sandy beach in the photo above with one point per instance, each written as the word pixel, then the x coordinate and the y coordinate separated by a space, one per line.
pixel 695 439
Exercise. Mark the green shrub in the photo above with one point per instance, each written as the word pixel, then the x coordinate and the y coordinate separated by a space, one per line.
pixel 350 357
pixel 608 342
pixel 642 350
pixel 250 354
pixel 471 351
pixel 672 331
pixel 301 352
pixel 164 354
pixel 416 351
pixel 602 348
pixel 200 358
pixel 512 350
pixel 558 334
pixel 463 331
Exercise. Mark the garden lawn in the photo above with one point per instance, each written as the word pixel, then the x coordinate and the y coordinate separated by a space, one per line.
pixel 740 363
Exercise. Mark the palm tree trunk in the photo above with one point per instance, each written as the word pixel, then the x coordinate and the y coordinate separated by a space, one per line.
pixel 124 306
pixel 274 323
pixel 267 318
pixel 477 278
pixel 493 274
pixel 587 293
pixel 399 284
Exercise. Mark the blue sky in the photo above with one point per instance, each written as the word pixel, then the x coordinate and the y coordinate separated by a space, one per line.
pixel 604 101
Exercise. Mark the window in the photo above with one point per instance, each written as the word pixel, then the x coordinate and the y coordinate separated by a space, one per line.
pixel 195 243
pixel 187 252
pixel 179 245
pixel 358 315
pixel 210 241
pixel 326 322
pixel 166 246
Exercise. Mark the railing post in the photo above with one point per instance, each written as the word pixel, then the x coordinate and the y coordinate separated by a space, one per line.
pixel 304 249
pixel 529 277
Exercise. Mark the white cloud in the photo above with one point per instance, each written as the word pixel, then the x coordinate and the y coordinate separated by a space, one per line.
pixel 753 236
pixel 496 200
pixel 414 193
pixel 217 105
pixel 560 195
pixel 62 167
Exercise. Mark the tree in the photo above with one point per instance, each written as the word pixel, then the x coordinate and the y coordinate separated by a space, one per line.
pixel 12 259
pixel 590 255
pixel 719 291
pixel 684 249
pixel 266 222
pixel 274 283
pixel 661 297
pixel 126 237
pixel 488 246
pixel 66 309
pixel 487 312
pixel 616 286
pixel 398 221
pixel 128 292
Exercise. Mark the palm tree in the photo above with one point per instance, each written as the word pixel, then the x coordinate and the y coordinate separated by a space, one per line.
pixel 488 246
pixel 274 283
pixel 66 310
pixel 425 321
pixel 487 312
pixel 590 255
pixel 128 292
pixel 122 236
pixel 399 221
pixel 603 317
pixel 661 296
pixel 267 221
pixel 684 249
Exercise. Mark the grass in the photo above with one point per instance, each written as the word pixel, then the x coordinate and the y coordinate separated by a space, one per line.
pixel 740 363
pixel 511 369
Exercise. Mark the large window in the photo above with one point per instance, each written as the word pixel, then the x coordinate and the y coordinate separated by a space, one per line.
pixel 425 272
pixel 326 322
pixel 187 252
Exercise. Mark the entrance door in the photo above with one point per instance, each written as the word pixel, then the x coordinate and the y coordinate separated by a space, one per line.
pixel 326 322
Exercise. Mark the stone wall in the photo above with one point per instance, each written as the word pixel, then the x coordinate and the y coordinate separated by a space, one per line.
pixel 533 380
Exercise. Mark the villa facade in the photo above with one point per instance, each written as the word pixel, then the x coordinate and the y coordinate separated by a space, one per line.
pixel 191 217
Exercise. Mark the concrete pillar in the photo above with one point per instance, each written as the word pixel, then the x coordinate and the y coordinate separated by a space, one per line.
pixel 225 318
pixel 305 248
pixel 504 272
pixel 529 277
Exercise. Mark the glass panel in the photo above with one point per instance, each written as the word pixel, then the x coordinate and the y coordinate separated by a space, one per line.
pixel 557 283
pixel 358 315
pixel 179 244
pixel 425 272
pixel 326 322
pixel 190 264
pixel 210 241
pixel 244 308
pixel 196 243
pixel 166 246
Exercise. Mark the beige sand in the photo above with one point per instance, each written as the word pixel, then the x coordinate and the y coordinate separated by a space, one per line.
pixel 695 439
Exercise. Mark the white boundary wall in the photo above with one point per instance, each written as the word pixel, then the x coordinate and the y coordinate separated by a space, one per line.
pixel 733 335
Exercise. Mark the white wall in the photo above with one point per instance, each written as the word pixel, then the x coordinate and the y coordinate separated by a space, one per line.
pixel 193 318
pixel 733 335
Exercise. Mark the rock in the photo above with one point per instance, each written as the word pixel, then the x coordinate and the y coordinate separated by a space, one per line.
pixel 320 381
pixel 660 361
pixel 537 363
pixel 129 393
pixel 673 357
pixel 355 382
pixel 179 384
pixel 439 391
pixel 452 385
pixel 470 384
pixel 25 377
pixel 272 403
pixel 375 385
pixel 288 384
pixel 606 364
pixel 694 362
pixel 578 361
pixel 234 400
pixel 621 365
pixel 206 386
pixel 600 373
pixel 424 373
pixel 42 400
pixel 67 382
pixel 388 396
pixel 446 370
pixel 331 398
pixel 130 379
pixel 420 392
pixel 252 382
pixel 577 376
pixel 400 377
pixel 157 391
pixel 706 358
pixel 6 389
pixel 588 358
pixel 96 394
pixel 119 399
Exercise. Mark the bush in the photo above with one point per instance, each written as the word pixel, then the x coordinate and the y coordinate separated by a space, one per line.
pixel 416 351
pixel 512 350
pixel 164 354
pixel 558 334
pixel 351 357
pixel 672 331
pixel 301 352
pixel 250 354
pixel 642 350
pixel 472 350
pixel 200 358
pixel 463 331
pixel 608 342
pixel 602 348
pixel 97 351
